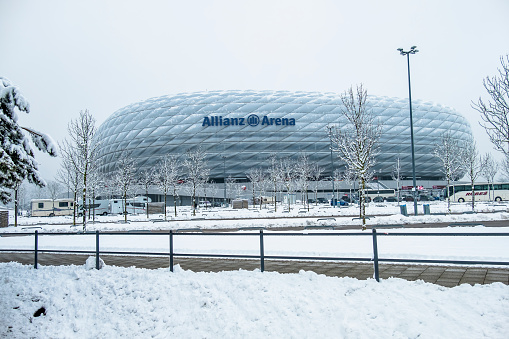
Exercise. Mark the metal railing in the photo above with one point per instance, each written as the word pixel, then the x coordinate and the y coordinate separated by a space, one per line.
pixel 261 256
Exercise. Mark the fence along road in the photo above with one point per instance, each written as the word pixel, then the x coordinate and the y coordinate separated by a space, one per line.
pixel 443 275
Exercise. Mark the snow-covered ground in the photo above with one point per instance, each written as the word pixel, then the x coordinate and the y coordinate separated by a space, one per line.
pixel 137 303
pixel 129 302
pixel 220 218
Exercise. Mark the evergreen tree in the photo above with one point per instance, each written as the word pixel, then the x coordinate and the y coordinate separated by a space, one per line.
pixel 17 161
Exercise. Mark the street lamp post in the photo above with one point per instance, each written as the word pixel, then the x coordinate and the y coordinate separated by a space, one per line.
pixel 224 176
pixel 332 166
pixel 412 50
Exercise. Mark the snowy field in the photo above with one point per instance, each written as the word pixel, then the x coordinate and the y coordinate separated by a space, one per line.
pixel 81 302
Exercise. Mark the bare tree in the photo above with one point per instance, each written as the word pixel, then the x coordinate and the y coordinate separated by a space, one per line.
pixel 230 185
pixel 289 175
pixel 81 150
pixel 146 179
pixel 204 189
pixel 196 171
pixel 95 184
pixel 261 188
pixel 19 192
pixel 396 176
pixel 213 189
pixel 472 163
pixel 255 175
pixel 168 174
pixel 448 151
pixel 275 174
pixel 316 174
pixel 304 173
pixel 356 143
pixel 124 178
pixel 70 178
pixel 495 112
pixel 489 169
pixel 54 189
pixel 349 178
pixel 239 190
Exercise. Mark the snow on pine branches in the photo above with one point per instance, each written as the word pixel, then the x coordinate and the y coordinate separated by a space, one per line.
pixel 17 161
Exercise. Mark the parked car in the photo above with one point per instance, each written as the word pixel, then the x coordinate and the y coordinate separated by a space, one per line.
pixel 348 199
pixel 378 199
pixel 391 199
pixel 340 202
pixel 311 201
pixel 322 201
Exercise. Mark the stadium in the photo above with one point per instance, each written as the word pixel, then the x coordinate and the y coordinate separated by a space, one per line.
pixel 239 130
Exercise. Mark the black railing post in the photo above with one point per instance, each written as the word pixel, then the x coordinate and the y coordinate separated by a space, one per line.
pixel 97 249
pixel 171 250
pixel 262 253
pixel 375 255
pixel 36 248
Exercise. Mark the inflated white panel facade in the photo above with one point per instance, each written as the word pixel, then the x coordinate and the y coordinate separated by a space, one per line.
pixel 239 130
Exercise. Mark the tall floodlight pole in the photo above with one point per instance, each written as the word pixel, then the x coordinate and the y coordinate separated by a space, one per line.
pixel 224 176
pixel 412 50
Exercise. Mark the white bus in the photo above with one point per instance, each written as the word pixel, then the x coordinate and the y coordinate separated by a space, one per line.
pixel 51 208
pixel 482 191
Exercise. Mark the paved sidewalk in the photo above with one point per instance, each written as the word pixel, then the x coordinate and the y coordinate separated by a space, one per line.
pixel 447 276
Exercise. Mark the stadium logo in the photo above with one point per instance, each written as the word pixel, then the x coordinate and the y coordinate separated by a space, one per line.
pixel 252 120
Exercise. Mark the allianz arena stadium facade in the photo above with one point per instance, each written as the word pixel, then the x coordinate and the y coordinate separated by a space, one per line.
pixel 239 130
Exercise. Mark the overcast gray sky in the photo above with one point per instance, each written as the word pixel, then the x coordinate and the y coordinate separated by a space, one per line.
pixel 67 56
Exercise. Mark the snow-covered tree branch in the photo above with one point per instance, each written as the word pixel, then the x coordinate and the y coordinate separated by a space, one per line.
pixel 471 163
pixel 17 161
pixel 168 174
pixel 196 172
pixel 448 151
pixel 489 169
pixel 81 149
pixel 356 143
pixel 124 178
pixel 495 112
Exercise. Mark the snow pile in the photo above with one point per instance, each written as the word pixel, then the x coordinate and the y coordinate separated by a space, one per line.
pixel 117 302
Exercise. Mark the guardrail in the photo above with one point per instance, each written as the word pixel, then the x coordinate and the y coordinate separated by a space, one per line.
pixel 262 257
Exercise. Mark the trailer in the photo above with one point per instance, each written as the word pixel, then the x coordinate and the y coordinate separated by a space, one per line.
pixel 99 207
pixel 51 208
